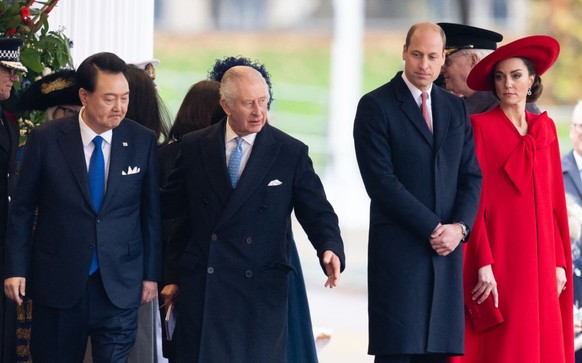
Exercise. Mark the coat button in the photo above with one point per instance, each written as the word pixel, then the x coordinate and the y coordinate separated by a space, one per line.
pixel 263 208
pixel 248 240
pixel 91 247
pixel 204 202
pixel 210 270
pixel 214 237
pixel 249 273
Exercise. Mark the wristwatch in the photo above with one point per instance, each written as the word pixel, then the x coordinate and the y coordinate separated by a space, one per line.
pixel 465 231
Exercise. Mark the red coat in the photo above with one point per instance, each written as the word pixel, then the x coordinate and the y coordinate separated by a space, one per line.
pixel 522 229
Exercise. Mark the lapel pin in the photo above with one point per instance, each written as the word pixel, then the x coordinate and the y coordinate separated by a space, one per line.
pixel 124 143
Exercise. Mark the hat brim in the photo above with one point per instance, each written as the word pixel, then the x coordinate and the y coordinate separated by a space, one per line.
pixel 14 65
pixel 541 50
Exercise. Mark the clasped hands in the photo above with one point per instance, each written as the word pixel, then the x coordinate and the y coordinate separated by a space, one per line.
pixel 445 238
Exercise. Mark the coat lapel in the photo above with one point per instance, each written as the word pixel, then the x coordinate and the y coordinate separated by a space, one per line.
pixel 441 116
pixel 410 108
pixel 212 149
pixel 263 155
pixel 121 141
pixel 72 147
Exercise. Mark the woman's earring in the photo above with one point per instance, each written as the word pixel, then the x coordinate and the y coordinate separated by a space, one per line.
pixel 529 91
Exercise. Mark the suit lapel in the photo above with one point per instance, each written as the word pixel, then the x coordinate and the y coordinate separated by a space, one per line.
pixel 571 168
pixel 265 151
pixel 72 147
pixel 121 141
pixel 410 108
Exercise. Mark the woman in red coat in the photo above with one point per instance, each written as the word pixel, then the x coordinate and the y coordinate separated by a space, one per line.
pixel 518 263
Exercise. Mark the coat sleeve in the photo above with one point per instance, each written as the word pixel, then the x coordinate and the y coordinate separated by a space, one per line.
pixel 151 218
pixel 175 207
pixel 374 155
pixel 563 249
pixel 478 249
pixel 22 210
pixel 313 210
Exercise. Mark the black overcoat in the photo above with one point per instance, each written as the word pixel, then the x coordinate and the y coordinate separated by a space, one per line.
pixel 415 180
pixel 233 267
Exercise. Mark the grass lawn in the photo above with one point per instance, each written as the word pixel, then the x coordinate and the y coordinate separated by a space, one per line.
pixel 300 72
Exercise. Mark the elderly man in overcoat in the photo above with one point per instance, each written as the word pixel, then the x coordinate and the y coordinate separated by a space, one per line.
pixel 415 150
pixel 237 183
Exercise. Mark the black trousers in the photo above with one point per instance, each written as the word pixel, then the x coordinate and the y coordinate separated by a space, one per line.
pixel 420 358
pixel 60 335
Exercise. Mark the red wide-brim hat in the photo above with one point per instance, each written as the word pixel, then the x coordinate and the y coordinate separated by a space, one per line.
pixel 541 50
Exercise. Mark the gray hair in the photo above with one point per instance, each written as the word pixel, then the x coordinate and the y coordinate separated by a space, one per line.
pixel 480 53
pixel 228 91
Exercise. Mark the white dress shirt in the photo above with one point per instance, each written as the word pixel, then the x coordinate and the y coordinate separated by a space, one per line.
pixel 230 143
pixel 87 136
pixel 416 93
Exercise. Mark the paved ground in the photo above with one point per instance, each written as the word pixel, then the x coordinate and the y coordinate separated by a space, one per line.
pixel 343 310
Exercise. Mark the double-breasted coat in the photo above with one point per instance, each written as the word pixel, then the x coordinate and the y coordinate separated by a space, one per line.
pixel 415 180
pixel 233 266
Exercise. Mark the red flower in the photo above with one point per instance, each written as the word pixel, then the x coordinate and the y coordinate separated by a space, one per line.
pixel 24 13
pixel 11 32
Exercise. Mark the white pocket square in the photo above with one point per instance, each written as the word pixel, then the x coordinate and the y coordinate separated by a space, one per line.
pixel 274 183
pixel 130 170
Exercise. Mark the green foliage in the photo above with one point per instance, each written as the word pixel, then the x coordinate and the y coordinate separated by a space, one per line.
pixel 42 52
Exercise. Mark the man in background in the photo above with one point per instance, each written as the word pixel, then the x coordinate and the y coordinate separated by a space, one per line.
pixel 10 67
pixel 572 170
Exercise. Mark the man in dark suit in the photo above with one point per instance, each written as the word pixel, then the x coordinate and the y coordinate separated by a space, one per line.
pixel 95 251
pixel 571 171
pixel 232 269
pixel 415 150
pixel 9 68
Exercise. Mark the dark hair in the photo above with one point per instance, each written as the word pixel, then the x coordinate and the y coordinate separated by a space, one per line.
pixel 536 88
pixel 223 65
pixel 104 62
pixel 145 105
pixel 199 109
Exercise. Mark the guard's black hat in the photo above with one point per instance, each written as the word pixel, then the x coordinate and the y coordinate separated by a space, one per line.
pixel 10 53
pixel 461 36
pixel 59 88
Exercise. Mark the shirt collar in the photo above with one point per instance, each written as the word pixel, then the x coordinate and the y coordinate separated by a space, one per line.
pixel 230 134
pixel 87 134
pixel 415 91
pixel 578 160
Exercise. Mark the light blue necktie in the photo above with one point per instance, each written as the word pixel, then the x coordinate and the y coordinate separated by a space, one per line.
pixel 96 187
pixel 234 162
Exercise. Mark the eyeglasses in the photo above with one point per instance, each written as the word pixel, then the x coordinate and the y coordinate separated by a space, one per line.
pixel 69 111
pixel 449 59
pixel 577 127
pixel 11 72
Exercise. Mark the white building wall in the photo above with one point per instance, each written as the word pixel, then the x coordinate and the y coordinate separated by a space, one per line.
pixel 123 27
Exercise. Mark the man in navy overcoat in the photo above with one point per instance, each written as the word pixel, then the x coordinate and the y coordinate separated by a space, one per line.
pixel 423 179
pixel 229 276
pixel 87 263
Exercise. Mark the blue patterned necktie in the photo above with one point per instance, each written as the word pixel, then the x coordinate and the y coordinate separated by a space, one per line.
pixel 234 162
pixel 96 187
